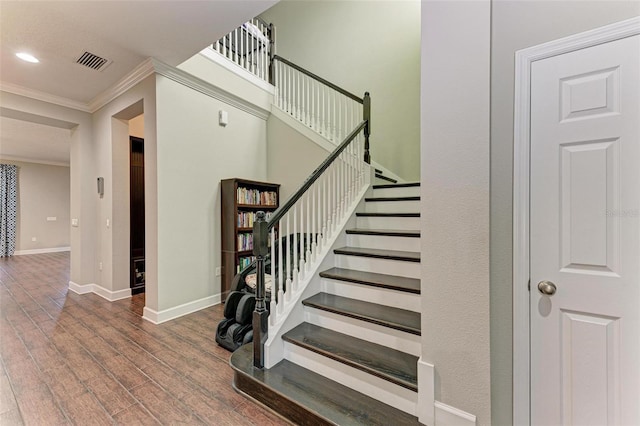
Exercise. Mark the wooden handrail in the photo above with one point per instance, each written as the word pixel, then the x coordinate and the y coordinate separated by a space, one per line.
pixel 320 79
pixel 284 208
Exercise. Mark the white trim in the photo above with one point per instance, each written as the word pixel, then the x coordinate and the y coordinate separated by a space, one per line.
pixel 111 296
pixel 446 415
pixel 139 73
pixel 158 317
pixel 32 160
pixel 40 251
pixel 426 392
pixel 43 96
pixel 195 83
pixel 524 59
pixel 216 57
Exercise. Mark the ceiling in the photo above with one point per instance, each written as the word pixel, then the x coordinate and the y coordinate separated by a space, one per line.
pixel 125 32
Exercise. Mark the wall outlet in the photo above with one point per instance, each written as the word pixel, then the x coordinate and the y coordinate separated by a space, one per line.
pixel 74 222
pixel 218 271
pixel 100 266
pixel 34 239
pixel 51 219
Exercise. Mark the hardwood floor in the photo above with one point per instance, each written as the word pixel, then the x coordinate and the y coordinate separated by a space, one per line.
pixel 79 359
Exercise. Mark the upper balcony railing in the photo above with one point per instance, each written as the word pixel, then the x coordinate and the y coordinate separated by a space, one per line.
pixel 250 46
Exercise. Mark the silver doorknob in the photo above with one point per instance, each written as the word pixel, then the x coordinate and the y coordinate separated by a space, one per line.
pixel 547 288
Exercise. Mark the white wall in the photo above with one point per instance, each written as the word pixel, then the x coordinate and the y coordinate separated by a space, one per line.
pixel 193 154
pixel 43 191
pixel 517 25
pixel 455 202
pixel 363 46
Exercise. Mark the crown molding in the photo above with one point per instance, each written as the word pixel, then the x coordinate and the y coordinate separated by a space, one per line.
pixel 195 83
pixel 142 71
pixel 33 160
pixel 139 73
pixel 43 96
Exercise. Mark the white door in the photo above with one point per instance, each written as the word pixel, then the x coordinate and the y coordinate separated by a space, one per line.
pixel 585 236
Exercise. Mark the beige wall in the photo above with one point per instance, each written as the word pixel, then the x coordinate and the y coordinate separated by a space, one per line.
pixel 111 139
pixel 282 167
pixel 363 46
pixel 455 202
pixel 43 191
pixel 193 154
pixel 517 25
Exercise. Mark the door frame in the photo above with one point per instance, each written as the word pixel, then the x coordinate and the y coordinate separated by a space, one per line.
pixel 521 172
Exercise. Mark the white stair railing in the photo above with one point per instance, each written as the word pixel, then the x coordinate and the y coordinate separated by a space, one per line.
pixel 249 46
pixel 322 106
pixel 299 232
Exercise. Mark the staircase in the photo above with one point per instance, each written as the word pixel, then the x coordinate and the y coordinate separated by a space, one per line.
pixel 354 358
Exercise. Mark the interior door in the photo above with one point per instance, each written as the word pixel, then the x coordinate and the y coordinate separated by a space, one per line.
pixel 585 236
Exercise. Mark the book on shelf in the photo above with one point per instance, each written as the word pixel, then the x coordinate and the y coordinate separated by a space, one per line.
pixel 245 241
pixel 243 262
pixel 256 197
pixel 246 219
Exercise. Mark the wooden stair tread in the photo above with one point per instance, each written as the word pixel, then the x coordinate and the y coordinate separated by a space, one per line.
pixel 368 214
pixel 386 316
pixel 388 364
pixel 407 256
pixel 385 232
pixel 383 199
pixel 305 397
pixel 397 185
pixel 393 282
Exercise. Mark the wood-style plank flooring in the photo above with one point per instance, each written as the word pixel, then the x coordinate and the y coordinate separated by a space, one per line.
pixel 80 359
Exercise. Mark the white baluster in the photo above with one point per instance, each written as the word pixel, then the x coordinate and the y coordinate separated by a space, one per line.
pixel 280 270
pixel 235 50
pixel 274 305
pixel 309 238
pixel 296 248
pixel 287 266
pixel 314 229
pixel 243 39
pixel 301 268
pixel 216 46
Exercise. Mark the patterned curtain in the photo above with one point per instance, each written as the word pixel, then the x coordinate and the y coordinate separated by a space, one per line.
pixel 8 201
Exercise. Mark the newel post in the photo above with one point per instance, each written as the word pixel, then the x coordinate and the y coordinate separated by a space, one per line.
pixel 366 112
pixel 272 53
pixel 260 314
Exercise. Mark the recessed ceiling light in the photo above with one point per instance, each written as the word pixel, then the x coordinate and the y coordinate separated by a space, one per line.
pixel 27 57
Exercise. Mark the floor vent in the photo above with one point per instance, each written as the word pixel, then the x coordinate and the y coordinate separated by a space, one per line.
pixel 92 61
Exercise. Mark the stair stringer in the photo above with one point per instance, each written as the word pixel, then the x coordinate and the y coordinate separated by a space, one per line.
pixel 293 313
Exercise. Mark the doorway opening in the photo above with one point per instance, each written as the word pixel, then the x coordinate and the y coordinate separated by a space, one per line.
pixel 136 214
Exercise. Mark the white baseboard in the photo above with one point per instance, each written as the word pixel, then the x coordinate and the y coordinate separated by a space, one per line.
pixel 426 395
pixel 40 251
pixel 158 317
pixel 100 291
pixel 445 415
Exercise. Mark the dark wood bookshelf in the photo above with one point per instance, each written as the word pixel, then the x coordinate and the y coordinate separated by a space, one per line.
pixel 231 207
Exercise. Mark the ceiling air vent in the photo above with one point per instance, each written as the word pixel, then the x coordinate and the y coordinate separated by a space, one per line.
pixel 92 61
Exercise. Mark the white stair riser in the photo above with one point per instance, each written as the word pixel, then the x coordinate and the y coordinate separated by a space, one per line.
pixel 379 266
pixel 392 206
pixel 383 242
pixel 367 293
pixel 365 383
pixel 392 338
pixel 375 222
pixel 410 191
